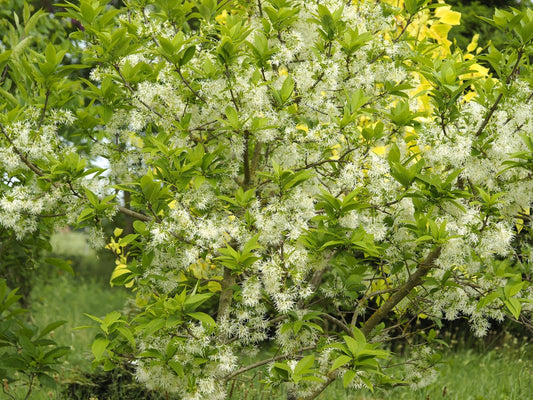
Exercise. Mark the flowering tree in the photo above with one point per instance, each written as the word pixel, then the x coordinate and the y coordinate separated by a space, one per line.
pixel 309 177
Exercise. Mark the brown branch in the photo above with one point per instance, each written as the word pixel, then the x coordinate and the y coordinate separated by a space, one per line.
pixel 409 21
pixel 24 159
pixel 321 162
pixel 246 160
pixel 378 292
pixel 414 280
pixel 339 323
pixel 132 91
pixel 226 295
pixel 134 214
pixel 330 378
pixel 263 362
pixel 178 70
pixel 489 115
pixel 43 113
pixel 4 74
pixel 255 159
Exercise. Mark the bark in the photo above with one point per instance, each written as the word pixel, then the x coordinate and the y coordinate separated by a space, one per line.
pixel 414 280
pixel 226 295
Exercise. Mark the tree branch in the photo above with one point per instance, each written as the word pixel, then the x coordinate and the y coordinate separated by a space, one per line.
pixel 263 362
pixel 24 159
pixel 414 280
pixel 500 96
pixel 226 295
pixel 134 214
pixel 340 324
pixel 43 113
pixel 178 70
pixel 246 160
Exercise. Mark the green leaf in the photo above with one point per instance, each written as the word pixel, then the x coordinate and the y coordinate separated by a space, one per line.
pixel 251 245
pixel 61 264
pixel 514 306
pixel 353 345
pixel 57 352
pixel 85 214
pixel 111 318
pixel 287 89
pixel 127 334
pixel 233 117
pixel 340 361
pixel 46 380
pixel 109 365
pixel 50 327
pixel 367 383
pixel 394 153
pixel 98 347
pixel 128 239
pixel 196 300
pixel 177 368
pixel 358 335
pixel 348 377
pixel 411 6
pixel 93 199
pixel 153 326
pixel 140 227
pixel 100 321
pixel 304 365
pixel 204 318
pixel 512 288
pixel 187 56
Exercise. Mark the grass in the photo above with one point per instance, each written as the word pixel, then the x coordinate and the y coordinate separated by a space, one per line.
pixel 65 298
pixel 505 373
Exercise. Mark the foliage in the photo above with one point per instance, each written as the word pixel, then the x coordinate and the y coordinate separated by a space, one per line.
pixel 311 177
pixel 21 259
pixel 24 31
pixel 472 25
pixel 27 354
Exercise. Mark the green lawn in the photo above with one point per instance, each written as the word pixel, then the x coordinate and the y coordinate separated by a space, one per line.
pixel 499 374
pixel 67 299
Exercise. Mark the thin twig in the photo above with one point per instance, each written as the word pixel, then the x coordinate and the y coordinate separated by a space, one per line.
pixel 24 159
pixel 500 96
pixel 263 362
pixel 134 214
pixel 178 70
pixel 43 113
pixel 337 322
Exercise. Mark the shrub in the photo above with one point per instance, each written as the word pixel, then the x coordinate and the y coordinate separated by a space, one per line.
pixel 310 177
